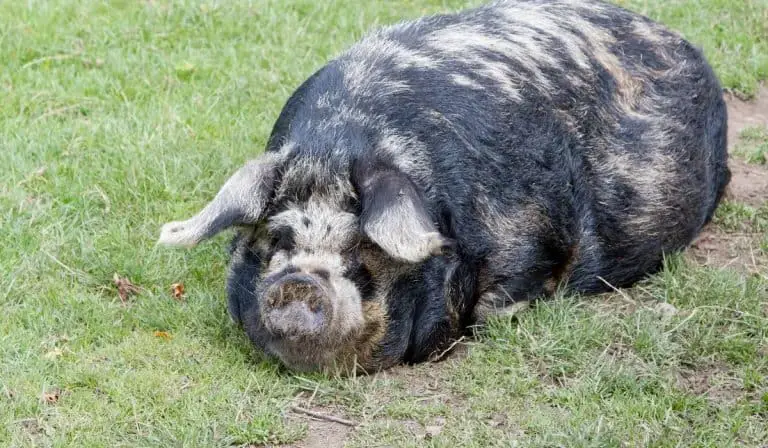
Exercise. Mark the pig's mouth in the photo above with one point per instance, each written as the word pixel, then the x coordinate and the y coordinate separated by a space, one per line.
pixel 295 322
pixel 304 352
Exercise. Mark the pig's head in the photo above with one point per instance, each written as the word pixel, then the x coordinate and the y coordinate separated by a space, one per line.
pixel 316 250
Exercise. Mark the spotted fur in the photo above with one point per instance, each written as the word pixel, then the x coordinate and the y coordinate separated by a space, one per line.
pixel 446 170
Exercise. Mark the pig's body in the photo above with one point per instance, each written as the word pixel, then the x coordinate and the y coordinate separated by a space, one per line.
pixel 547 143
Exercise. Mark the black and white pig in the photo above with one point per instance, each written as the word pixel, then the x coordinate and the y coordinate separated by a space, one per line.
pixel 443 170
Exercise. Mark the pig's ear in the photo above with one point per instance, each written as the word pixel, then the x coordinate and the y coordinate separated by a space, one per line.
pixel 394 216
pixel 240 201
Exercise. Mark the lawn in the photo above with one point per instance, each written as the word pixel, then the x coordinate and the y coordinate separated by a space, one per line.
pixel 119 116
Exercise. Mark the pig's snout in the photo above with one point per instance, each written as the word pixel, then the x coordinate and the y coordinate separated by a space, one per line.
pixel 296 306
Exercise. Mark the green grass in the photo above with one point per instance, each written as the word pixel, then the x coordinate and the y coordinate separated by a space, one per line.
pixel 753 145
pixel 734 216
pixel 119 116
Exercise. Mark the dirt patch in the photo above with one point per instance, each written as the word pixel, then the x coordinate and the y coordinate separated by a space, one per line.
pixel 749 185
pixel 715 383
pixel 748 180
pixel 426 382
pixel 744 114
pixel 31 426
pixel 739 251
pixel 321 433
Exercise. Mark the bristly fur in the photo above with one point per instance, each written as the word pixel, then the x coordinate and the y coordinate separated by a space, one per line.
pixel 442 170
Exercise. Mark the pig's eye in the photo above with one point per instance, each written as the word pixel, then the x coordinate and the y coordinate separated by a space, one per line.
pixel 282 238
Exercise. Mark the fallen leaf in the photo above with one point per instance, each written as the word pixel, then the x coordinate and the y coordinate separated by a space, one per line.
pixel 52 396
pixel 163 334
pixel 177 289
pixel 125 288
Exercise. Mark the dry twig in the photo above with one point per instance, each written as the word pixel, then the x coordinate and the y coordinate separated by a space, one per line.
pixel 329 418
pixel 442 354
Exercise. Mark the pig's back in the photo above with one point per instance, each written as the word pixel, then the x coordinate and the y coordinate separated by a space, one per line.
pixel 576 126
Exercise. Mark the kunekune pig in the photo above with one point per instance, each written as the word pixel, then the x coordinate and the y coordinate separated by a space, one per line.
pixel 444 169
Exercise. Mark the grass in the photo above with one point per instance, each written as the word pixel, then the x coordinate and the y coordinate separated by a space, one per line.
pixel 753 145
pixel 734 217
pixel 119 116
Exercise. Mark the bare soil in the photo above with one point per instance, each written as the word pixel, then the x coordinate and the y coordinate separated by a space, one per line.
pixel 321 433
pixel 714 383
pixel 749 185
pixel 324 434
pixel 744 114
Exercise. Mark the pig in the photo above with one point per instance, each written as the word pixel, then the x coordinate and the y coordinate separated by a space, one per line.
pixel 444 170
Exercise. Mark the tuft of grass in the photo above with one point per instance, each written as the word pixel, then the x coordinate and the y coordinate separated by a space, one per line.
pixel 733 216
pixel 753 145
pixel 118 116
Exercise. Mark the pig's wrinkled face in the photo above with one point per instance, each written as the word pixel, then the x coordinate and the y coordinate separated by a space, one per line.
pixel 304 284
pixel 309 295
pixel 309 270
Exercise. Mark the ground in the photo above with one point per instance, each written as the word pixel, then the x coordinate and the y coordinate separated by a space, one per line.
pixel 120 116
pixel 737 238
